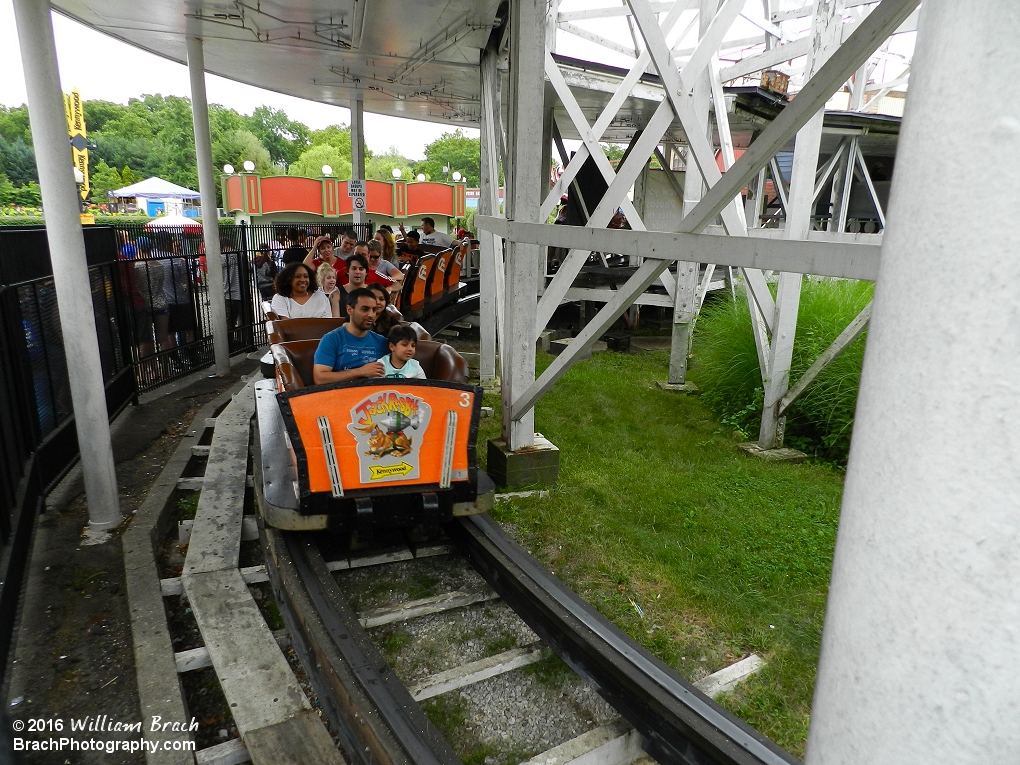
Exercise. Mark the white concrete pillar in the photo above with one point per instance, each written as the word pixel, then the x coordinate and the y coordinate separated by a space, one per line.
pixel 67 252
pixel 210 219
pixel 490 310
pixel 524 185
pixel 358 146
pixel 922 631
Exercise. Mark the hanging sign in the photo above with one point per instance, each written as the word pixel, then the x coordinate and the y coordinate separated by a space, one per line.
pixel 356 189
pixel 75 114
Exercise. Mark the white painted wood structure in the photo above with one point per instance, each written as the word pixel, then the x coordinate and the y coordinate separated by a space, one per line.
pixel 679 117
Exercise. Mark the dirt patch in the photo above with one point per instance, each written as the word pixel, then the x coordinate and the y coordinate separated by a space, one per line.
pixel 73 658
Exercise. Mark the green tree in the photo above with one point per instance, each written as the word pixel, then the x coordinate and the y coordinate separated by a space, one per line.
pixel 380 167
pixel 455 151
pixel 6 190
pixel 223 120
pixel 283 137
pixel 236 146
pixel 28 195
pixel 17 161
pixel 141 154
pixel 14 123
pixel 99 113
pixel 309 164
pixel 102 179
pixel 129 176
pixel 613 151
pixel 337 136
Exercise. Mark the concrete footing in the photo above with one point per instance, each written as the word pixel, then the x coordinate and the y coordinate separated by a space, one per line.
pixel 687 387
pixel 539 464
pixel 773 455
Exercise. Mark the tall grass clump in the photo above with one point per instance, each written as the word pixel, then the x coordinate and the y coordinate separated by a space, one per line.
pixel 726 366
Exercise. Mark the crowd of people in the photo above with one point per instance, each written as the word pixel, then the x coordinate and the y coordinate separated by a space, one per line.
pixel 300 273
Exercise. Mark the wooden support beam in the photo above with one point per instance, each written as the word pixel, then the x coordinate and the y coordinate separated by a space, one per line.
pixel 853 330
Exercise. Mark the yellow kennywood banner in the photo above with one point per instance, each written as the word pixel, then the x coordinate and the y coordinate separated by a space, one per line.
pixel 75 114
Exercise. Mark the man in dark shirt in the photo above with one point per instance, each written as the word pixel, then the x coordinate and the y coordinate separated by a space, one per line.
pixel 408 249
pixel 297 251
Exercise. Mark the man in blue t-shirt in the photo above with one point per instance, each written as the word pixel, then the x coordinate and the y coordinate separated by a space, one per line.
pixel 351 352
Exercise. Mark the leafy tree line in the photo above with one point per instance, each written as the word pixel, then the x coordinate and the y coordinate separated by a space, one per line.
pixel 152 136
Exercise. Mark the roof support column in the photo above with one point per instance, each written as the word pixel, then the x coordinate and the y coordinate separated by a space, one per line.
pixel 67 251
pixel 210 219
pixel 490 270
pixel 826 31
pixel 524 184
pixel 358 145
pixel 920 631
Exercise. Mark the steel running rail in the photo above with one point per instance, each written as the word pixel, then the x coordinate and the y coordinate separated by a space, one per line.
pixel 377 720
pixel 681 725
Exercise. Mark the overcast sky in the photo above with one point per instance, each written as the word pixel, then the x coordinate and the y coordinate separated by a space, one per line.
pixel 149 73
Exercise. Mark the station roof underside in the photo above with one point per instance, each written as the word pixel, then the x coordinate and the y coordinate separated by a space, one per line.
pixel 417 60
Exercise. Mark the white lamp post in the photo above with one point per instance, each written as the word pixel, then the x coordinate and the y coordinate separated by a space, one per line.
pixel 456 177
pixel 421 177
pixel 327 170
pixel 397 172
pixel 228 169
pixel 249 166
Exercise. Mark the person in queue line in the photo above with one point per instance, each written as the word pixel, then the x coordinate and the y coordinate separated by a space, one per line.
pixel 389 247
pixel 323 252
pixel 296 251
pixel 230 261
pixel 373 276
pixel 378 265
pixel 298 295
pixel 152 313
pixel 351 351
pixel 177 287
pixel 408 249
pixel 265 271
pixel 326 276
pixel 277 247
pixel 386 316
pixel 429 235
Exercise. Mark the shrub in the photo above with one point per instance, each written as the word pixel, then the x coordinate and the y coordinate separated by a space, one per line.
pixel 726 366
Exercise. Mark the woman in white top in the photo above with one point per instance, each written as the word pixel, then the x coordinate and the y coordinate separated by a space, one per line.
pixel 298 296
pixel 326 275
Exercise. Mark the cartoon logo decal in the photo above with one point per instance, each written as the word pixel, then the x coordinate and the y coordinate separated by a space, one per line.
pixel 388 427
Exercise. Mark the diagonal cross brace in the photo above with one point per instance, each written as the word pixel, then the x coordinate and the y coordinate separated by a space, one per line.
pixel 865 39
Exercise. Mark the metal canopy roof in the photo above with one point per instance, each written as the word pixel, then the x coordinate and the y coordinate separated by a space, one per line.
pixel 417 60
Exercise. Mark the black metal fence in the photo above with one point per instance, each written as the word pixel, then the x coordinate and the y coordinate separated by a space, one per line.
pixel 164 273
pixel 38 442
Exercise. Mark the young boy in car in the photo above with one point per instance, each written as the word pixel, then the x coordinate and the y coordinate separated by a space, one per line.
pixel 400 362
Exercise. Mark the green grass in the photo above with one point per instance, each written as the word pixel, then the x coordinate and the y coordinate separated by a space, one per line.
pixel 657 511
pixel 725 366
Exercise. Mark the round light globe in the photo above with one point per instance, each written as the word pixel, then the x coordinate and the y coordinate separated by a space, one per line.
pixel 228 169
pixel 457 177
pixel 327 170
pixel 249 166
pixel 421 177
pixel 397 172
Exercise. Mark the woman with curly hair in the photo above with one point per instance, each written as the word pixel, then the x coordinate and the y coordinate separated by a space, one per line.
pixel 389 246
pixel 298 295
